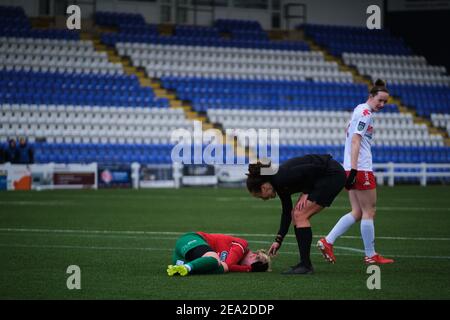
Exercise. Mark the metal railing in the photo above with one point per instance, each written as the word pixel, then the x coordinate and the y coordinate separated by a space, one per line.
pixel 422 172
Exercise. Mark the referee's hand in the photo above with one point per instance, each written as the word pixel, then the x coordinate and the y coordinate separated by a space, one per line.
pixel 274 249
pixel 302 202
pixel 351 179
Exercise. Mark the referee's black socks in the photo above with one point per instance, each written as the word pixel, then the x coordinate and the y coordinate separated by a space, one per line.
pixel 304 239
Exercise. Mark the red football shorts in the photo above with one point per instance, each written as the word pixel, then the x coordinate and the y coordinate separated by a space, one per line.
pixel 365 180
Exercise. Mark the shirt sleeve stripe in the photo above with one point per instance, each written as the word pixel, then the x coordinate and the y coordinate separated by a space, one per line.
pixel 240 245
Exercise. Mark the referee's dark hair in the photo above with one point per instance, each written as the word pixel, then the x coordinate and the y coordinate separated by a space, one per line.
pixel 254 178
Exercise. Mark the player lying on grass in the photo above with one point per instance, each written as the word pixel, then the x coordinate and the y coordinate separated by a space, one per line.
pixel 207 253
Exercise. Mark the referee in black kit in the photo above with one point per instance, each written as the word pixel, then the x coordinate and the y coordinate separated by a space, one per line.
pixel 318 177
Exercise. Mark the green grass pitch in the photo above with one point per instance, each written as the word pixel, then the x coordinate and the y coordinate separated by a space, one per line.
pixel 122 241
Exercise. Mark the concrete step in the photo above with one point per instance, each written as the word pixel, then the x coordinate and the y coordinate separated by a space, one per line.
pixel 141 74
pixel 434 130
pixel 160 91
pixel 115 59
pixel 177 105
pixel 42 22
pixel 191 115
pixel 100 46
pixel 207 126
pixel 101 29
pixel 86 36
pixel 186 108
pixel 125 62
pixel 196 117
pixel 145 82
pixel 155 85
pixel 166 29
pixel 129 70
pixel 277 34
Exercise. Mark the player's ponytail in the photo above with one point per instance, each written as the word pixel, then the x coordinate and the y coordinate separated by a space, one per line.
pixel 254 178
pixel 254 169
pixel 379 86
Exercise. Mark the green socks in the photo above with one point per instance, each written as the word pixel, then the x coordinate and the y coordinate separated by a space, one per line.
pixel 204 265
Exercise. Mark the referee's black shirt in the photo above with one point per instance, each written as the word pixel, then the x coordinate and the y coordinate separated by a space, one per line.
pixel 297 175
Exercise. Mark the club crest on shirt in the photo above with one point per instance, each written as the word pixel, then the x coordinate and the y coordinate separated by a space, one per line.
pixel 223 255
pixel 361 126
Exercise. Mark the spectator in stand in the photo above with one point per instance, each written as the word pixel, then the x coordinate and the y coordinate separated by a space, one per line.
pixel 2 154
pixel 26 153
pixel 12 152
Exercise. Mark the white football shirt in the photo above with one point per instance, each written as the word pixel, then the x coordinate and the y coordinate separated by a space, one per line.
pixel 360 123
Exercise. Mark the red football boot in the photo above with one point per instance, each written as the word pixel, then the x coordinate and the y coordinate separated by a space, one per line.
pixel 327 250
pixel 377 259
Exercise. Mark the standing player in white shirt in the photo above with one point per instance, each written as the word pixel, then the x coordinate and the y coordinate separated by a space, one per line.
pixel 360 182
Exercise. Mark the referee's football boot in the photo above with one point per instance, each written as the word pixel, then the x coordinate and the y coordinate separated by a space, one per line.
pixel 300 269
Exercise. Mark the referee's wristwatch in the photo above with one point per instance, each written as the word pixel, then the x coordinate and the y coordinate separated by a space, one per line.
pixel 279 239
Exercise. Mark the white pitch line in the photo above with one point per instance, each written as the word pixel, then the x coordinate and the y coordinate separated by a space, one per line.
pixel 6 245
pixel 39 203
pixel 347 237
pixel 382 208
pixel 176 237
pixel 257 206
pixel 400 208
pixel 97 232
pixel 237 198
pixel 359 251
pixel 390 255
pixel 124 232
pixel 90 231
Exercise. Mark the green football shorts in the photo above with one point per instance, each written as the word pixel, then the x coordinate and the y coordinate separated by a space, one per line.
pixel 185 243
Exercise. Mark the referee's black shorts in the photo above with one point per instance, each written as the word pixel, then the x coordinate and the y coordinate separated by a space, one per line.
pixel 327 187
